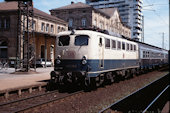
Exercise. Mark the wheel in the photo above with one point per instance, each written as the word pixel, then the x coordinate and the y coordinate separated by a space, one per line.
pixel 127 74
pixel 108 78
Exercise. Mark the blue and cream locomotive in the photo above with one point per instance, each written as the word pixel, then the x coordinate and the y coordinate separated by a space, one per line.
pixel 90 57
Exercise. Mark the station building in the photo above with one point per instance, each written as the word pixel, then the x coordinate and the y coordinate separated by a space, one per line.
pixel 80 15
pixel 130 13
pixel 46 27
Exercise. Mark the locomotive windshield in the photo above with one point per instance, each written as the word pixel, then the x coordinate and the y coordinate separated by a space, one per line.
pixel 81 40
pixel 64 40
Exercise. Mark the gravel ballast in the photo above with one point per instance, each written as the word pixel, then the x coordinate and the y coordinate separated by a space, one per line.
pixel 94 101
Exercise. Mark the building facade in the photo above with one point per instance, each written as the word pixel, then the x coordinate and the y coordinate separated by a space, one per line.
pixel 80 15
pixel 45 27
pixel 130 13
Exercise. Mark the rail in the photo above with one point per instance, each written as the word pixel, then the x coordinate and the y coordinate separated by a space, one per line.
pixel 41 99
pixel 138 101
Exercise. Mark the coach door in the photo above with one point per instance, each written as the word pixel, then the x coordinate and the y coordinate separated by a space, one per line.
pixel 101 52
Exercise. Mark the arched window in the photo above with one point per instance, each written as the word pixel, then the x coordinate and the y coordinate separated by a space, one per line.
pixel 95 22
pixel 70 22
pixel 83 22
pixel 58 30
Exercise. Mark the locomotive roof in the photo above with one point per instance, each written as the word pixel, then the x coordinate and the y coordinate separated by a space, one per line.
pixel 118 37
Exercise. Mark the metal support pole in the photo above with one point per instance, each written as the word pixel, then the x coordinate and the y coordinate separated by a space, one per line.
pixel 25 52
pixel 163 40
pixel 27 43
pixel 45 50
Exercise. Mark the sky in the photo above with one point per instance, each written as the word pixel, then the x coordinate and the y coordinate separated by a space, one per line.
pixel 156 18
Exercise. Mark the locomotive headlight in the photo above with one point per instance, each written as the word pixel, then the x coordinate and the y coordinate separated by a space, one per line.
pixel 58 61
pixel 84 61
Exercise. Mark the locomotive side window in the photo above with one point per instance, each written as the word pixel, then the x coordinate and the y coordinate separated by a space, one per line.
pixel 127 46
pixel 64 40
pixel 113 44
pixel 134 47
pixel 81 40
pixel 118 45
pixel 123 45
pixel 107 43
pixel 131 47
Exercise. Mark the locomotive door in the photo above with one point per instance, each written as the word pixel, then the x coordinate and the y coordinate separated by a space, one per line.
pixel 101 52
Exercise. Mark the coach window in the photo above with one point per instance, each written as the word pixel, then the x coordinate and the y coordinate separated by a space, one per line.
pixel 143 54
pixel 148 54
pixel 123 45
pixel 152 54
pixel 107 43
pixel 113 44
pixel 81 40
pixel 118 45
pixel 64 40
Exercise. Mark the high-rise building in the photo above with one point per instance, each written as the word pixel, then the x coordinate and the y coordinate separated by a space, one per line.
pixel 129 10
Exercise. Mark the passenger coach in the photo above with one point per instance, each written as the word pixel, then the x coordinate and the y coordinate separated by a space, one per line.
pixel 151 56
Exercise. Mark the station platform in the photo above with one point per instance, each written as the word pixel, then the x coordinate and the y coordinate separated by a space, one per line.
pixel 9 79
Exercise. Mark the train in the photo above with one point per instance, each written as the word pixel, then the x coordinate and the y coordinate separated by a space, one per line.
pixel 91 58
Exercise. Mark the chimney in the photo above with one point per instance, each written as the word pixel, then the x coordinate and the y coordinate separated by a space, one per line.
pixel 72 2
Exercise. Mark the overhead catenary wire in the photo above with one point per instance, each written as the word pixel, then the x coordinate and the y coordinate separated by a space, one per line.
pixel 161 19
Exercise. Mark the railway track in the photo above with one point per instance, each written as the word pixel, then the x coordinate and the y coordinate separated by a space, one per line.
pixel 33 102
pixel 150 98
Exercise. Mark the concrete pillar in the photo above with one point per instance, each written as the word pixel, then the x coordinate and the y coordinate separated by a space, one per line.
pixel 6 95
pixel 19 92
pixel 30 90
pixel 45 50
pixel 39 88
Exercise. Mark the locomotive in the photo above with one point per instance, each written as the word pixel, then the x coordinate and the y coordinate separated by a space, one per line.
pixel 90 58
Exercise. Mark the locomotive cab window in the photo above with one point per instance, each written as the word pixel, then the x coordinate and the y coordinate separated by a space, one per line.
pixel 81 40
pixel 63 40
pixel 100 41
